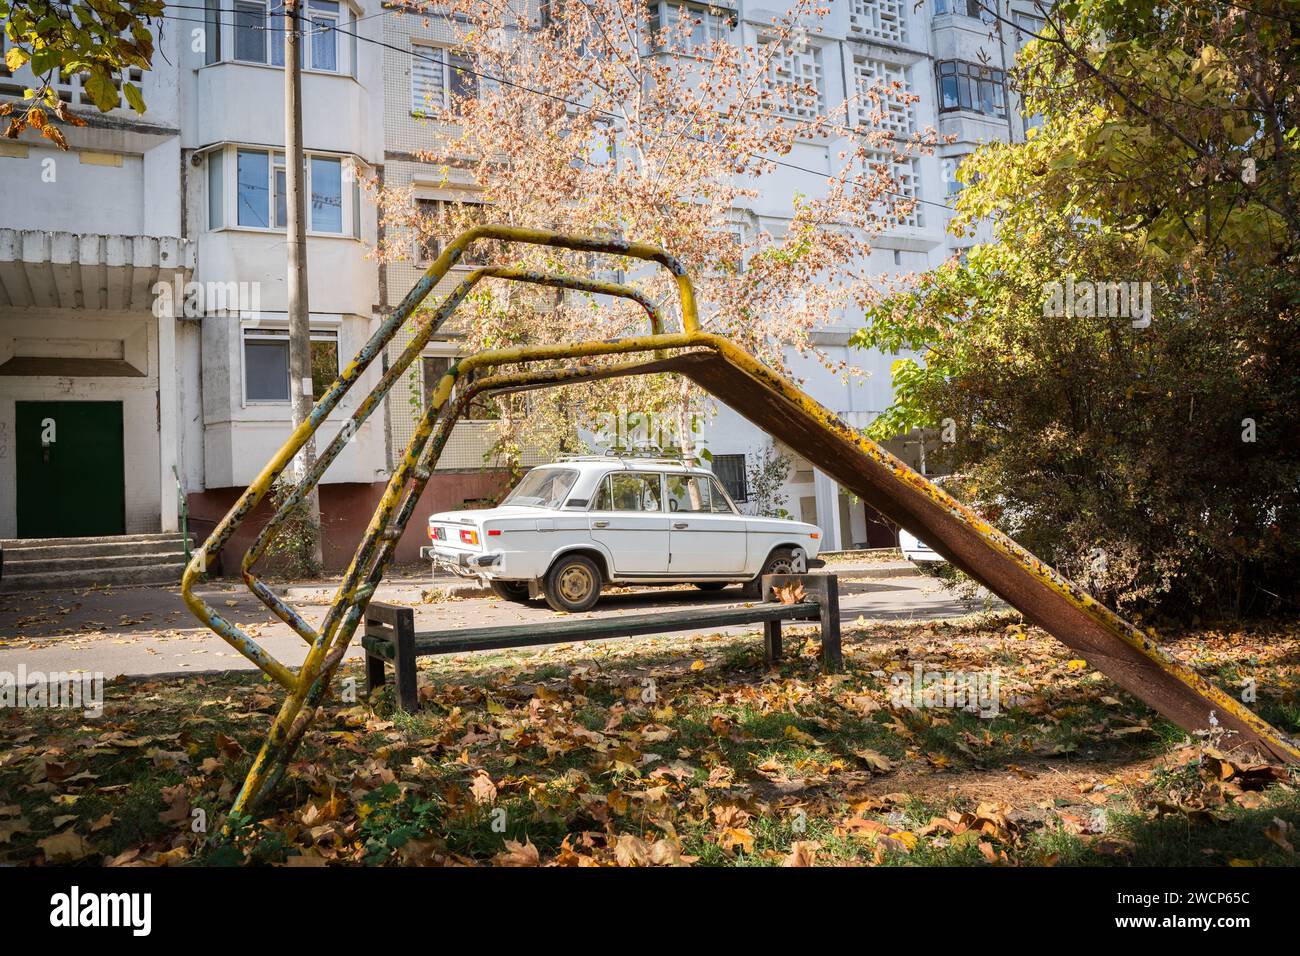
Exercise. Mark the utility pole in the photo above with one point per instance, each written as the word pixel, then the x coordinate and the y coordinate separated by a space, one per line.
pixel 300 388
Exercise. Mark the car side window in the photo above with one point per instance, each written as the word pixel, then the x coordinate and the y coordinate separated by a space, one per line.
pixel 629 491
pixel 689 493
pixel 721 506
pixel 602 501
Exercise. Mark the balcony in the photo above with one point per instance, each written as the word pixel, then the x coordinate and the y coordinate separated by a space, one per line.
pixel 65 270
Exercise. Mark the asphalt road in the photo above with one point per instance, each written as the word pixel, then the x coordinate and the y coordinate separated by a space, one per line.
pixel 148 631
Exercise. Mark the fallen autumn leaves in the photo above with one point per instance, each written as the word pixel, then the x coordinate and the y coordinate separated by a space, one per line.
pixel 672 751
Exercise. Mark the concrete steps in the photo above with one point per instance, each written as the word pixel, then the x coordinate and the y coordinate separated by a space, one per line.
pixel 35 564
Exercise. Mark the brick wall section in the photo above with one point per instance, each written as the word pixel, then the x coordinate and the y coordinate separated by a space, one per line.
pixel 346 510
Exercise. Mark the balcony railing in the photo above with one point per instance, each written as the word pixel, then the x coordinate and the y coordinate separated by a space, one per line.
pixel 67 87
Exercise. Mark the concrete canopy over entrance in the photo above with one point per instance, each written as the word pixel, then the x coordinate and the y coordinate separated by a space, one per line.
pixel 77 326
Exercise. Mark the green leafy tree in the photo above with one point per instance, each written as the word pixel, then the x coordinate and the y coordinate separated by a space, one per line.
pixel 1155 456
pixel 98 39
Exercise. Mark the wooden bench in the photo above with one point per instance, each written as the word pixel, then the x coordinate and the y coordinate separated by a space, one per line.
pixel 390 635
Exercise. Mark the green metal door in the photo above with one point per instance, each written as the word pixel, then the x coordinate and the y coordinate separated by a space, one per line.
pixel 71 479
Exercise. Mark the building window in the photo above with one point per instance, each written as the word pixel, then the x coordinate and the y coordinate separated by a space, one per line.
pixel 440 79
pixel 797 73
pixel 952 185
pixel 266 363
pixel 600 148
pixel 969 86
pixel 706 26
pixel 253 188
pixel 252 37
pixel 1028 28
pixel 978 9
pixel 432 369
pixel 730 470
pixel 481 408
pixel 259 27
pixel 442 219
pixel 260 191
pixel 324 17
pixel 324 361
pixel 892 97
pixel 325 183
pixel 216 173
pixel 212 31
pixel 879 19
pixel 731 253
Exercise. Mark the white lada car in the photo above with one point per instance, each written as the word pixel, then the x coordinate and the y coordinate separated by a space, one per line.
pixel 569 528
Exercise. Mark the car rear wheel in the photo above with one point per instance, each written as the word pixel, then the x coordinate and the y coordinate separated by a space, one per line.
pixel 573 584
pixel 711 585
pixel 516 591
pixel 780 561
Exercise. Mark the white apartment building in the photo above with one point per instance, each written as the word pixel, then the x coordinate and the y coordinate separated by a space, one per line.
pixel 946 52
pixel 90 397
pixel 196 388
pixel 953 56
pixel 188 381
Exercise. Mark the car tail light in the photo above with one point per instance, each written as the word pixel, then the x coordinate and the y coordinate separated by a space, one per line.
pixel 438 534
pixel 492 533
pixel 469 537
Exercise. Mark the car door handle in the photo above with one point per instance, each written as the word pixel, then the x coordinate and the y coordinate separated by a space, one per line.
pixel 679 525
pixel 600 524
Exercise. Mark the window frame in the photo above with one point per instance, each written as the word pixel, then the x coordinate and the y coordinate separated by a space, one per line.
pixel 272 53
pixel 970 9
pixel 744 476
pixel 448 55
pixel 278 331
pixel 227 156
pixel 970 78
pixel 952 185
pixel 716 493
pixel 471 259
pixel 607 481
pixel 726 16
pixel 726 498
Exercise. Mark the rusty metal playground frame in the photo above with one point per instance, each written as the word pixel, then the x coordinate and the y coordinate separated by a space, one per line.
pixel 1109 643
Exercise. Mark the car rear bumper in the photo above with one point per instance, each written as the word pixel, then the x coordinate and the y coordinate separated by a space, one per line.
pixel 463 563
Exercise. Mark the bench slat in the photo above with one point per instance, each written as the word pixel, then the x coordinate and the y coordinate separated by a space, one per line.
pixel 562 631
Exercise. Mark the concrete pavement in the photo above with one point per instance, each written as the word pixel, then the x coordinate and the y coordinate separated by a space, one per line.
pixel 148 631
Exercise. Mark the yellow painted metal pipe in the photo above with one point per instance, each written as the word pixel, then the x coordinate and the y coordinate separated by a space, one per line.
pixel 308 687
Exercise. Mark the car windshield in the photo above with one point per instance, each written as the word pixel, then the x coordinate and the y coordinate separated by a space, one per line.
pixel 542 488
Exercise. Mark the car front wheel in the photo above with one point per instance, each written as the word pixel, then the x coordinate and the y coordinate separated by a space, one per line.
pixel 780 561
pixel 516 591
pixel 573 584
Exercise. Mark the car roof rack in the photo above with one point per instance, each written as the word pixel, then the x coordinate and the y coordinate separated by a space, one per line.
pixel 641 454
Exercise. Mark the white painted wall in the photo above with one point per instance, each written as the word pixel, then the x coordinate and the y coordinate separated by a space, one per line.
pixel 242 103
pixel 137 395
pixel 239 437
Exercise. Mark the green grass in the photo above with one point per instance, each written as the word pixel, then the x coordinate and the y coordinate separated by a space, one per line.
pixel 732 763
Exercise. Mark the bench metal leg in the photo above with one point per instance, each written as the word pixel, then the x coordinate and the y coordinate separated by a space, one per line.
pixel 826 588
pixel 408 699
pixel 771 642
